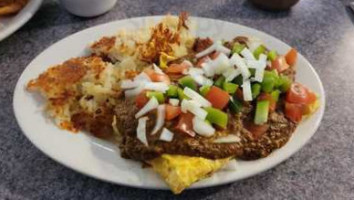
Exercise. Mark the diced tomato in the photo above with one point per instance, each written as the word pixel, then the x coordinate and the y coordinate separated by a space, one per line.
pixel 172 112
pixel 268 97
pixel 141 99
pixel 201 61
pixel 256 130
pixel 156 77
pixel 214 55
pixel 294 111
pixel 176 68
pixel 300 94
pixel 239 93
pixel 291 57
pixel 280 64
pixel 217 97
pixel 185 124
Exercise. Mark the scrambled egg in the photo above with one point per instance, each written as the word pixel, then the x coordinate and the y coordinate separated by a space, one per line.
pixel 179 171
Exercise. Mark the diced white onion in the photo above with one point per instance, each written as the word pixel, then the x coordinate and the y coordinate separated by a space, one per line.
pixel 141 130
pixel 150 105
pixel 161 112
pixel 247 92
pixel 166 135
pixel 202 128
pixel 247 54
pixel 263 58
pixel 228 139
pixel 195 71
pixel 206 51
pixel 142 77
pixel 253 64
pixel 196 97
pixel 194 108
pixel 259 75
pixel 230 166
pixel 208 69
pixel 174 102
pixel 240 63
pixel 231 74
pixel 134 92
pixel 129 84
pixel 223 49
pixel 157 86
pixel 157 69
pixel 221 63
pixel 187 63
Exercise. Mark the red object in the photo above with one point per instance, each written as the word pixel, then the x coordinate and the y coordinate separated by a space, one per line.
pixel 141 99
pixel 294 111
pixel 172 112
pixel 214 55
pixel 300 94
pixel 218 97
pixel 256 130
pixel 280 64
pixel 177 68
pixel 268 97
pixel 201 61
pixel 291 57
pixel 156 77
pixel 185 124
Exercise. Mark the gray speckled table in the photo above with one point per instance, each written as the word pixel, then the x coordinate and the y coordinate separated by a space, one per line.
pixel 323 31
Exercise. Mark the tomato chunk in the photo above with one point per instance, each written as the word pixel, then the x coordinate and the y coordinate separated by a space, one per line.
pixel 280 64
pixel 294 111
pixel 300 94
pixel 156 77
pixel 172 112
pixel 177 68
pixel 217 97
pixel 141 99
pixel 257 130
pixel 185 124
pixel 291 57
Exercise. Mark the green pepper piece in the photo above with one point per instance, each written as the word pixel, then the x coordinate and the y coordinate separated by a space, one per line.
pixel 269 81
pixel 235 105
pixel 237 48
pixel 158 95
pixel 217 117
pixel 272 55
pixel 284 83
pixel 188 81
pixel 220 81
pixel 275 95
pixel 181 94
pixel 172 91
pixel 262 110
pixel 230 87
pixel 257 52
pixel 256 90
pixel 204 90
pixel 238 80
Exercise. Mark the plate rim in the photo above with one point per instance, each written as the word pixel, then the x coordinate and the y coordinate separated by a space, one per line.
pixel 20 19
pixel 321 110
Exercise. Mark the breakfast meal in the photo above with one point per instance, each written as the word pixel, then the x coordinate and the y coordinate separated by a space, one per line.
pixel 184 105
pixel 10 7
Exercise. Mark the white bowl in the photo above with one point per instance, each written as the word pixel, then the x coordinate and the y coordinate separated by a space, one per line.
pixel 88 8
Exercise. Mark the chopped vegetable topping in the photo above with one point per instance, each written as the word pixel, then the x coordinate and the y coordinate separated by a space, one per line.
pixel 151 104
pixel 261 115
pixel 204 89
pixel 193 107
pixel 174 102
pixel 141 99
pixel 235 105
pixel 172 91
pixel 237 48
pixel 166 135
pixel 228 139
pixel 172 112
pixel 164 59
pixel 160 119
pixel 196 97
pixel 256 90
pixel 219 82
pixel 157 86
pixel 158 95
pixel 141 130
pixel 246 89
pixel 187 81
pixel 272 55
pixel 231 88
pixel 217 97
pixel 202 128
pixel 260 50
pixel 291 57
pixel 185 124
pixel 217 117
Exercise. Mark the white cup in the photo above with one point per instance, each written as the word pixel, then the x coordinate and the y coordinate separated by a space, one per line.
pixel 88 8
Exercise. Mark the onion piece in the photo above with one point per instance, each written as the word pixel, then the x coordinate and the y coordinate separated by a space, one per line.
pixel 230 166
pixel 206 51
pixel 134 92
pixel 221 63
pixel 157 69
pixel 260 70
pixel 240 63
pixel 194 108
pixel 227 139
pixel 247 54
pixel 196 97
pixel 141 130
pixel 223 49
pixel 160 119
pixel 231 74
pixel 247 92
pixel 166 135
pixel 187 63
pixel 208 69
pixel 195 71
pixel 150 105
pixel 202 128
pixel 142 77
pixel 174 102
pixel 157 86
pixel 128 84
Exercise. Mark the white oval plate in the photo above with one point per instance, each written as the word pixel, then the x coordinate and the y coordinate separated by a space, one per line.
pixel 9 25
pixel 101 159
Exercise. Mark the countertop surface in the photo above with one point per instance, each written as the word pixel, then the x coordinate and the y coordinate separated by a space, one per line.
pixel 323 31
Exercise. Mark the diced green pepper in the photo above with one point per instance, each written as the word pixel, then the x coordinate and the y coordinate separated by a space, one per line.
pixel 172 91
pixel 269 81
pixel 260 49
pixel 181 94
pixel 158 95
pixel 217 117
pixel 219 82
pixel 230 87
pixel 275 95
pixel 262 109
pixel 272 55
pixel 204 90
pixel 235 105
pixel 256 90
pixel 284 83
pixel 237 48
pixel 188 81
pixel 238 80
